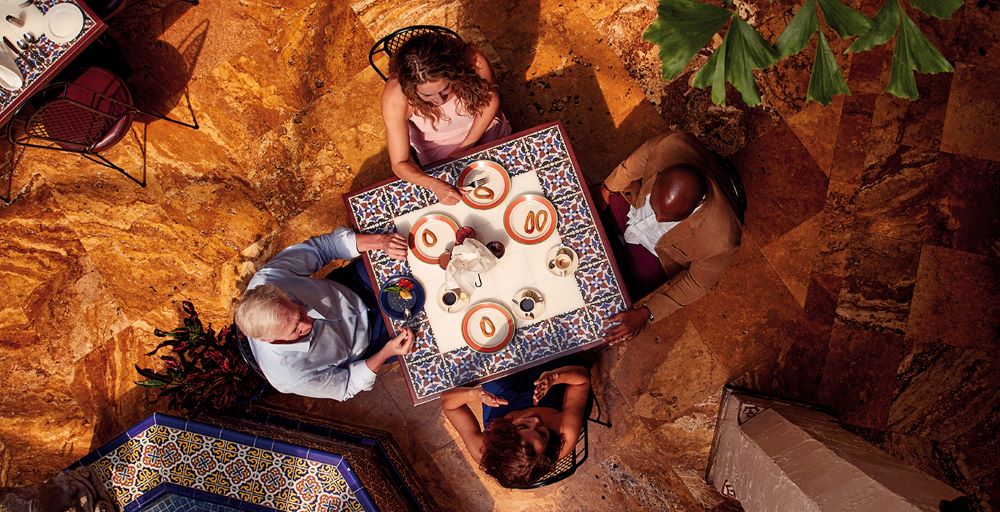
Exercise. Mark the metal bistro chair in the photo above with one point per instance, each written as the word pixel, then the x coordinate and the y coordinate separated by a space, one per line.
pixel 243 345
pixel 86 116
pixel 733 186
pixel 390 44
pixel 566 466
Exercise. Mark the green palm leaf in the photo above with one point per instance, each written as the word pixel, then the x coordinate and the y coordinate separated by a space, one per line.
pixel 799 31
pixel 713 74
pixel 884 27
pixel 747 51
pixel 924 57
pixel 683 27
pixel 901 81
pixel 845 20
pixel 826 79
pixel 941 9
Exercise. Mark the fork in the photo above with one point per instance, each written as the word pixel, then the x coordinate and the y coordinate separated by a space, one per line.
pixel 476 183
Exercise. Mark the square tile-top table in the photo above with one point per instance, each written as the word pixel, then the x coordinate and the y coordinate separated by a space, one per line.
pixel 538 160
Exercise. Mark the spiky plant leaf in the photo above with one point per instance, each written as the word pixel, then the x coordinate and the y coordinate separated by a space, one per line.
pixel 924 57
pixel 799 31
pixel 884 27
pixel 826 79
pixel 681 28
pixel 747 51
pixel 901 81
pixel 941 9
pixel 713 73
pixel 845 20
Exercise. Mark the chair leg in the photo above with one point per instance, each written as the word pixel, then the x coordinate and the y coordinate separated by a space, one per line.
pixel 108 163
pixel 597 405
pixel 154 113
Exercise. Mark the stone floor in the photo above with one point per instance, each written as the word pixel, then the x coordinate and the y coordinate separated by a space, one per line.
pixel 867 282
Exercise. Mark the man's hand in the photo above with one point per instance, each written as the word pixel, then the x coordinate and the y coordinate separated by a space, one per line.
pixel 488 398
pixel 393 244
pixel 401 345
pixel 445 192
pixel 630 324
pixel 545 381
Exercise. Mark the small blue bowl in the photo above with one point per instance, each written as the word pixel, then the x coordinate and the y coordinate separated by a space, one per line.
pixel 394 306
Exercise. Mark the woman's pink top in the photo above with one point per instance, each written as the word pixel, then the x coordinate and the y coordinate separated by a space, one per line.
pixel 435 144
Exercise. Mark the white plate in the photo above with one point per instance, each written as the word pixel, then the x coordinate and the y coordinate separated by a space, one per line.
pixel 530 218
pixel 64 22
pixel 493 192
pixel 488 327
pixel 432 235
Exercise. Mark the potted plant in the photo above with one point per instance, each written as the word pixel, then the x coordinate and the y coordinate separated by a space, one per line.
pixel 204 368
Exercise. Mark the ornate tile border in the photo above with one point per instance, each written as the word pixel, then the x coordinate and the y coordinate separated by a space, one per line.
pixel 546 150
pixel 47 63
pixel 166 454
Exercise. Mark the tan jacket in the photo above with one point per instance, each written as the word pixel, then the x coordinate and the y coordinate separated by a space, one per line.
pixel 696 252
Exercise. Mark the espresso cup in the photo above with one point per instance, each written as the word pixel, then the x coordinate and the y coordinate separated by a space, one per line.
pixel 526 304
pixel 563 261
pixel 449 298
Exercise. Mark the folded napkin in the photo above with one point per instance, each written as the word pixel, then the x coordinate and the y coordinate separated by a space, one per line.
pixel 468 259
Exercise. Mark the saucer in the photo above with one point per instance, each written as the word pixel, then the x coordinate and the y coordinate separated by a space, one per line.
pixel 493 192
pixel 488 327
pixel 457 306
pixel 539 304
pixel 64 22
pixel 551 256
pixel 530 219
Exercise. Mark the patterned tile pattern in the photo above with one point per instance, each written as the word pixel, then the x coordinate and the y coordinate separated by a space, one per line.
pixel 49 52
pixel 228 464
pixel 176 503
pixel 545 151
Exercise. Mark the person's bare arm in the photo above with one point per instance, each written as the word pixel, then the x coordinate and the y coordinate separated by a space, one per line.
pixel 577 380
pixel 455 405
pixel 394 109
pixel 483 120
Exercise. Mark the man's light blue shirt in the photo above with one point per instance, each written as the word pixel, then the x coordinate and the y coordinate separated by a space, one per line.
pixel 327 362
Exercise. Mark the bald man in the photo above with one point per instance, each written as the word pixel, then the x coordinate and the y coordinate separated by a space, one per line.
pixel 674 228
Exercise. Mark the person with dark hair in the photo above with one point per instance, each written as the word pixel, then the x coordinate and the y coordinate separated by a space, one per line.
pixel 440 99
pixel 674 229
pixel 532 419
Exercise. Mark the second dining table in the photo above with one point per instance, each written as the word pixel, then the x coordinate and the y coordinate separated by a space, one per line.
pixel 555 253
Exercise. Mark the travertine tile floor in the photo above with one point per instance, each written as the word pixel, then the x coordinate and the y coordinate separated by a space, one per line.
pixel 867 283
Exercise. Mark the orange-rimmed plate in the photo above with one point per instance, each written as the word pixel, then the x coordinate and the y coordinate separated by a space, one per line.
pixel 490 194
pixel 488 327
pixel 431 235
pixel 530 218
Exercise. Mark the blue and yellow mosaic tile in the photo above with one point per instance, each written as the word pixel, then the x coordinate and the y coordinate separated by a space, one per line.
pixel 235 467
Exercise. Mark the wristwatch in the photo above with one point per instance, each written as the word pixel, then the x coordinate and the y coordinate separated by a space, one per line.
pixel 650 311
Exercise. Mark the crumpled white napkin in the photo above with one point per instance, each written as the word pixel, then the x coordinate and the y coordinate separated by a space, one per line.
pixel 467 260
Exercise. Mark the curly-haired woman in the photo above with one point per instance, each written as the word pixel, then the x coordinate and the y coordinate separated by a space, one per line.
pixel 440 98
pixel 532 420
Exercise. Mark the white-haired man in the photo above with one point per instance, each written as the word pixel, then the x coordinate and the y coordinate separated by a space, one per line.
pixel 321 338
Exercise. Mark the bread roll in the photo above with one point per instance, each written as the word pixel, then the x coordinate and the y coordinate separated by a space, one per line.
pixel 429 238
pixel 483 193
pixel 487 327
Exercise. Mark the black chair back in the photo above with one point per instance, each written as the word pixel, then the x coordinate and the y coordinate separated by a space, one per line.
pixel 391 43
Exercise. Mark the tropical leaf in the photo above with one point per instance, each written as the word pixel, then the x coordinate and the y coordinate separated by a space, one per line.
pixel 683 27
pixel 884 27
pixel 747 51
pixel 150 383
pixel 799 31
pixel 713 73
pixel 924 57
pixel 845 20
pixel 941 9
pixel 901 81
pixel 826 79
